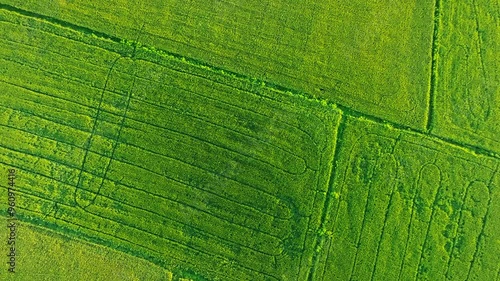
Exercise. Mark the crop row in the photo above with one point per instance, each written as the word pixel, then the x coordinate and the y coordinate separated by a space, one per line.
pixel 173 159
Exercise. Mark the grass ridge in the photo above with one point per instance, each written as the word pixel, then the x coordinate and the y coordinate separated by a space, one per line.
pixel 322 232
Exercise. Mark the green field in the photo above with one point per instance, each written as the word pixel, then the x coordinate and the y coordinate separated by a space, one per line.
pixel 468 74
pixel 49 256
pixel 134 167
pixel 410 207
pixel 242 140
pixel 311 46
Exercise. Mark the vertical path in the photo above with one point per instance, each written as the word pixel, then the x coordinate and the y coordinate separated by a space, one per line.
pixel 320 240
pixel 433 75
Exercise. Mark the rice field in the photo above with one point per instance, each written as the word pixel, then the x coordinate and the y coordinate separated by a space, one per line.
pixel 310 46
pixel 232 140
pixel 409 207
pixel 120 161
pixel 58 255
pixel 468 74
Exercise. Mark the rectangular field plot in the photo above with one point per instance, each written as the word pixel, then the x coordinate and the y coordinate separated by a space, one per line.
pixel 59 257
pixel 373 57
pixel 210 175
pixel 406 207
pixel 467 107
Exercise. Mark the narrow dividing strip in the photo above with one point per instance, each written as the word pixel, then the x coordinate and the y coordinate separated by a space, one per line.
pixel 320 239
pixel 433 76
pixel 59 22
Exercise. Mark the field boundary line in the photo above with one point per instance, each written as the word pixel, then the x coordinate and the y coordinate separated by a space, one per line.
pixel 320 237
pixel 59 22
pixel 433 73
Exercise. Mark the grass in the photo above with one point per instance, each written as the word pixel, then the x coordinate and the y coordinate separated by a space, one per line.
pixel 409 207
